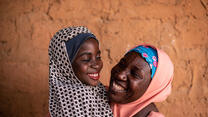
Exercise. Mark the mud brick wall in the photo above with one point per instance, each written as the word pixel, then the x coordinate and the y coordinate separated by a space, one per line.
pixel 179 27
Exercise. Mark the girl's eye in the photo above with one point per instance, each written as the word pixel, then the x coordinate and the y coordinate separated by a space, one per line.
pixel 86 60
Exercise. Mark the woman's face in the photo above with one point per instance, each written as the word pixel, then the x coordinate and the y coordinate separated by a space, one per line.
pixel 129 79
pixel 87 63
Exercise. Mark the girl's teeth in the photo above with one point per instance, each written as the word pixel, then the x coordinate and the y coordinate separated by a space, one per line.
pixel 94 75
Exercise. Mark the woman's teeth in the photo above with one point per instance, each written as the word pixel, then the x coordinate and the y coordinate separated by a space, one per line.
pixel 118 87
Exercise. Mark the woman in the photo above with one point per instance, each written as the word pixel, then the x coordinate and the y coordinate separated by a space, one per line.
pixel 75 64
pixel 143 76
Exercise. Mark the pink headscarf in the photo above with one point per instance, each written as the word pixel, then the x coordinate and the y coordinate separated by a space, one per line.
pixel 158 90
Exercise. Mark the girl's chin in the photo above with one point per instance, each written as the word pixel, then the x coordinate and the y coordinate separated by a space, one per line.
pixel 94 83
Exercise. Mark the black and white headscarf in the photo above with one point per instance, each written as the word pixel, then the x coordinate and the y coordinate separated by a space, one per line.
pixel 68 95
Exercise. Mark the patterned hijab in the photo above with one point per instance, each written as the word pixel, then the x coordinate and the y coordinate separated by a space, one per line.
pixel 68 95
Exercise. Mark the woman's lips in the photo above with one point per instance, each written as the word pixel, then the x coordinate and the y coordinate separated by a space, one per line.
pixel 117 87
pixel 94 76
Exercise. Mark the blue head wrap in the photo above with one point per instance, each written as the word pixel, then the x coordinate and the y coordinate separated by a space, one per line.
pixel 149 54
pixel 74 44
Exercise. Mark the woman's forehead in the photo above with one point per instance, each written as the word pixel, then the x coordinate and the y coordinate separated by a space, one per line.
pixel 135 59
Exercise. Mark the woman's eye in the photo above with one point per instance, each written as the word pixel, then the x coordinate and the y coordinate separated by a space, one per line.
pixel 121 64
pixel 98 57
pixel 114 69
pixel 135 74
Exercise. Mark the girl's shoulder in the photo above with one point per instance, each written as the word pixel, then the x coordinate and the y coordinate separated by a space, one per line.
pixel 106 88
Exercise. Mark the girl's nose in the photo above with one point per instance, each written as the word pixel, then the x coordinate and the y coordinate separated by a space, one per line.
pixel 95 64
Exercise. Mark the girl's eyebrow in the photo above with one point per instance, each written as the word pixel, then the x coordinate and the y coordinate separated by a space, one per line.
pixel 88 53
pixel 85 53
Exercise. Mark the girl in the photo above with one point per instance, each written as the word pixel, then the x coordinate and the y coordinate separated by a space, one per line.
pixel 75 64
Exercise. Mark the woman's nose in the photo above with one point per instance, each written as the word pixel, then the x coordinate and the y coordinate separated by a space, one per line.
pixel 122 75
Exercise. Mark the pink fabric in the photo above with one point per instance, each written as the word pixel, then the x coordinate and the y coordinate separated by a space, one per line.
pixel 155 114
pixel 158 90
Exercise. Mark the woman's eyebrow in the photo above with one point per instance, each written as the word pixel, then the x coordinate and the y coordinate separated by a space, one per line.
pixel 99 52
pixel 139 67
pixel 136 68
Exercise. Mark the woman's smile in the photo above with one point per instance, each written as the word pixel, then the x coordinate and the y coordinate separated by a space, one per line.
pixel 116 87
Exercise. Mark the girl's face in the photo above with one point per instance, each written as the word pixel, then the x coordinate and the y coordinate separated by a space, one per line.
pixel 87 63
pixel 129 79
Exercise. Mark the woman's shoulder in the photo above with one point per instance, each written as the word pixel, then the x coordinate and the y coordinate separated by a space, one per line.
pixel 155 114
pixel 149 111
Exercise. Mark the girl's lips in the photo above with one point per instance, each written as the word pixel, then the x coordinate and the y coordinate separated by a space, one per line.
pixel 94 76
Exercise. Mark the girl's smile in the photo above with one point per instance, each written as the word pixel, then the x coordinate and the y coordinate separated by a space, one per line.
pixel 94 76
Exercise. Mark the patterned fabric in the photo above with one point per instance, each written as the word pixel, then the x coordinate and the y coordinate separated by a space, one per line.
pixel 150 55
pixel 68 95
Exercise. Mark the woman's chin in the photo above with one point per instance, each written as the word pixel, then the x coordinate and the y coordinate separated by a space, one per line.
pixel 115 98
